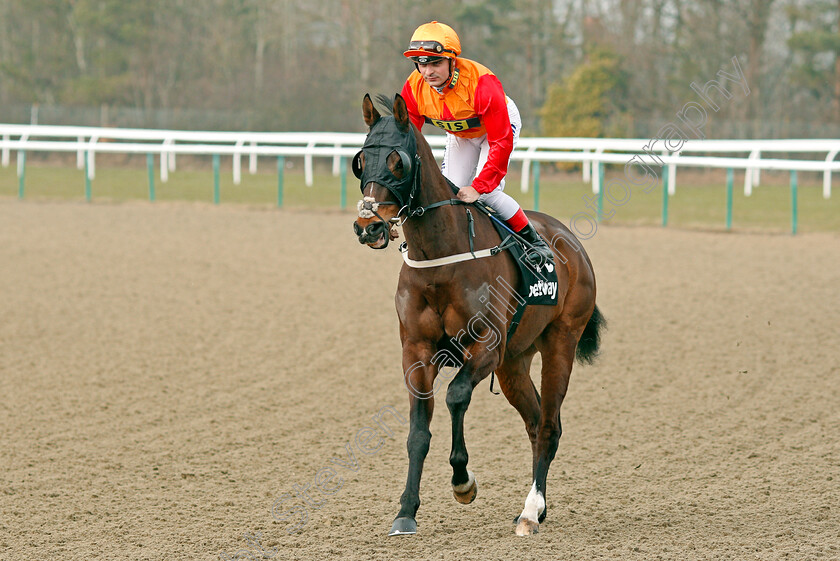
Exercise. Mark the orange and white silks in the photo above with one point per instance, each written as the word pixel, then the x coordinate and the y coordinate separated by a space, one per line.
pixel 471 105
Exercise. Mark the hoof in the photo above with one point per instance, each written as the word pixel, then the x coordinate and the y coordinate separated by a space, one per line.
pixel 527 527
pixel 403 527
pixel 541 518
pixel 466 492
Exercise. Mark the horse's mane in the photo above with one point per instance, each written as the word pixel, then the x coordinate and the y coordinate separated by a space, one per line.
pixel 386 103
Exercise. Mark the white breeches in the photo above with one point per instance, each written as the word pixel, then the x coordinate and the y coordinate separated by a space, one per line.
pixel 464 159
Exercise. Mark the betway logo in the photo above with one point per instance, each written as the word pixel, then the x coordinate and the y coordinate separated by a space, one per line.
pixel 542 288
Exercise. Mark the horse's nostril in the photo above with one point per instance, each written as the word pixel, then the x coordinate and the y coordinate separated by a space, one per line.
pixel 372 232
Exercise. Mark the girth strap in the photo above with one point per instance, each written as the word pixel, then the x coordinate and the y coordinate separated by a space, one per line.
pixel 470 231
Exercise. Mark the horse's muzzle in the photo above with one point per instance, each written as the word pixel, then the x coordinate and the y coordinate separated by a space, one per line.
pixel 372 233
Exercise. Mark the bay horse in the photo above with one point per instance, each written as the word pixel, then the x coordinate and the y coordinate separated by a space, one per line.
pixel 453 307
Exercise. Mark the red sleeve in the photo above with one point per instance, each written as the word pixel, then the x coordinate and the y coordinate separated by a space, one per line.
pixel 491 107
pixel 411 105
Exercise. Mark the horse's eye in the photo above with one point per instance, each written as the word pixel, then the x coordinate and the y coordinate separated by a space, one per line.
pixel 395 165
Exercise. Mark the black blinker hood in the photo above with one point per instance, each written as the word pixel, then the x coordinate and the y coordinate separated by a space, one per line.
pixel 386 137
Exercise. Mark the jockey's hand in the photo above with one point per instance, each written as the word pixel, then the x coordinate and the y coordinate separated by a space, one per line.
pixel 468 194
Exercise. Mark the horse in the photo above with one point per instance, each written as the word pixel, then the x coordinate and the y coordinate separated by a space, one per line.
pixel 453 306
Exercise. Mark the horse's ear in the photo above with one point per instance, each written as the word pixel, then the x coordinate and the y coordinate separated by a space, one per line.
pixel 369 111
pixel 400 113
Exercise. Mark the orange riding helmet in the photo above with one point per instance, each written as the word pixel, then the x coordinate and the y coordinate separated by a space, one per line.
pixel 432 42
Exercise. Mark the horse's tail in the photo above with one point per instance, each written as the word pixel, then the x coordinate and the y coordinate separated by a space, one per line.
pixel 590 341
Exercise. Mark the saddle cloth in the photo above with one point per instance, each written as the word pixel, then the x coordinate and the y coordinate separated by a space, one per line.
pixel 538 284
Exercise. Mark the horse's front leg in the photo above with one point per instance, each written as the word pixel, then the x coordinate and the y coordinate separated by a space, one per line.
pixel 482 361
pixel 458 398
pixel 419 378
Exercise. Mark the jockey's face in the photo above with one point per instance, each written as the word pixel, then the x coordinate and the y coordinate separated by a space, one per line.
pixel 435 73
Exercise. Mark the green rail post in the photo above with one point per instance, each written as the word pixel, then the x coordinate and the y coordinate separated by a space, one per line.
pixel 665 196
pixel 601 170
pixel 87 179
pixel 281 166
pixel 730 179
pixel 150 169
pixel 793 195
pixel 536 166
pixel 21 173
pixel 343 167
pixel 215 179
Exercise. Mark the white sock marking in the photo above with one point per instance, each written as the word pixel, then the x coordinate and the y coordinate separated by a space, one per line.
pixel 464 487
pixel 534 504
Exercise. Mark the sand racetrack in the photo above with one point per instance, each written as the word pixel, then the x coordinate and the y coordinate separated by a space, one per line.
pixel 170 372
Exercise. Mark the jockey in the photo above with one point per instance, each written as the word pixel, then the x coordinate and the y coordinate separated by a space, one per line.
pixel 466 100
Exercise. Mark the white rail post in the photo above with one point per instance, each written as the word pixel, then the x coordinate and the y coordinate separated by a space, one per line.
pixel 237 163
pixel 21 157
pixel 91 157
pixel 80 155
pixel 526 171
pixel 587 168
pixel 337 161
pixel 172 161
pixel 307 165
pixel 252 160
pixel 672 175
pixel 5 157
pixel 165 156
pixel 748 175
pixel 827 175
pixel 596 173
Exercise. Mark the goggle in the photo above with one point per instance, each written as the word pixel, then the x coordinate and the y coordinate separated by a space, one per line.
pixel 428 46
pixel 423 59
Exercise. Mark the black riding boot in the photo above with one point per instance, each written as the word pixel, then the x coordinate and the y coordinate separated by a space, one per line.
pixel 541 252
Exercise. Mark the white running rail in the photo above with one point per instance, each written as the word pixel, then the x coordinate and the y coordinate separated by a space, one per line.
pixel 737 154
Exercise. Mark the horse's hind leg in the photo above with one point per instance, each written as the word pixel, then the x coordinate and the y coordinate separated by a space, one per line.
pixel 515 380
pixel 558 353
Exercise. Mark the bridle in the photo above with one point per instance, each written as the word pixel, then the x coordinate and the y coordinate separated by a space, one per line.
pixel 381 143
pixel 368 207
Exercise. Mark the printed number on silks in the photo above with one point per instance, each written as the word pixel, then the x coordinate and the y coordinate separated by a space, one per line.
pixel 452 126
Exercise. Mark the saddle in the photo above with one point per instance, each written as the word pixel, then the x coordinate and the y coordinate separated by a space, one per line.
pixel 538 283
